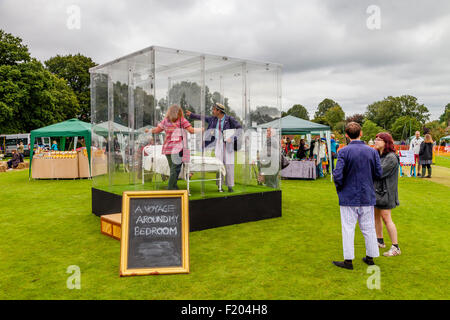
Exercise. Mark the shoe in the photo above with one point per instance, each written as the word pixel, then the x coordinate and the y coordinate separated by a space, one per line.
pixel 393 251
pixel 343 264
pixel 368 261
pixel 230 189
pixel 381 245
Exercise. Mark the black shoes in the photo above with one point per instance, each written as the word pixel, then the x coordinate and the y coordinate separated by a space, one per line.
pixel 347 264
pixel 369 261
pixel 343 264
pixel 230 189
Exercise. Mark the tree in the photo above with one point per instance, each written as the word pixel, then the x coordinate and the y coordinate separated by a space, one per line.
pixel 297 110
pixel 370 130
pixel 334 116
pixel 187 94
pixel 31 97
pixel 321 120
pixel 384 113
pixel 445 117
pixel 436 129
pixel 404 127
pixel 324 106
pixel 12 50
pixel 264 114
pixel 75 69
pixel 340 127
pixel 411 108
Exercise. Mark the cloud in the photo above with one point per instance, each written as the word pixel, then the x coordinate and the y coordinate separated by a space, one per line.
pixel 325 46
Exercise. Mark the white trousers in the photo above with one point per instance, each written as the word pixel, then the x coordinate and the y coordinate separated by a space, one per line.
pixel 366 219
pixel 227 157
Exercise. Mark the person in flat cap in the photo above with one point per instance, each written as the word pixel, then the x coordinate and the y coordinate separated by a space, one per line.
pixel 222 134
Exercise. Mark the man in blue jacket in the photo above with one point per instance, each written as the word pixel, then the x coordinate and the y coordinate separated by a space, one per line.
pixel 216 136
pixel 357 167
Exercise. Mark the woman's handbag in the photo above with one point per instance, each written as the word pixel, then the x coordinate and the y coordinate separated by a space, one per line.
pixel 381 194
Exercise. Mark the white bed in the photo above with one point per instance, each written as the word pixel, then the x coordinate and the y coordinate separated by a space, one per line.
pixel 153 160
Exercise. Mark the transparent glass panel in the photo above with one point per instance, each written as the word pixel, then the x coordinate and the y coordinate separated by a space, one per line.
pixel 131 96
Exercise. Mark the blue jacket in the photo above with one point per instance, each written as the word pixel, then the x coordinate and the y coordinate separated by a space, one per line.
pixel 333 145
pixel 357 167
pixel 229 123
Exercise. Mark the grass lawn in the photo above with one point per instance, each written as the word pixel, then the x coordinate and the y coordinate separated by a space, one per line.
pixel 442 161
pixel 47 226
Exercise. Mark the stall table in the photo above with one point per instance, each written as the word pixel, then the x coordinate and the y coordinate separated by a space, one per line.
pixel 300 169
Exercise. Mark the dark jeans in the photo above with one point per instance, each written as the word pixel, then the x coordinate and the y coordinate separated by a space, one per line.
pixel 174 171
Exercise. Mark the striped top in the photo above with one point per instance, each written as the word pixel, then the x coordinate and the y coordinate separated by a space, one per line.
pixel 173 142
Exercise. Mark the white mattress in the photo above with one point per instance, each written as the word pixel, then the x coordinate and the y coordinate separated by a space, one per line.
pixel 155 161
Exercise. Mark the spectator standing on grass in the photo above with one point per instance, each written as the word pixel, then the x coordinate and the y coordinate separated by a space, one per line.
pixel 386 190
pixel 20 148
pixel 426 155
pixel 358 165
pixel 323 156
pixel 334 147
pixel 415 146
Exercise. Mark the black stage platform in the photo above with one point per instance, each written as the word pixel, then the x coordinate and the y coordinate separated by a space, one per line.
pixel 208 213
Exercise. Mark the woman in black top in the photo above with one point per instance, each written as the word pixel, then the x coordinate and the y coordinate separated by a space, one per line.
pixel 386 192
pixel 426 155
pixel 301 152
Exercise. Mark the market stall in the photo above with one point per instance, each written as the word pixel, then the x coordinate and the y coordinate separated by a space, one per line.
pixel 65 164
pixel 290 125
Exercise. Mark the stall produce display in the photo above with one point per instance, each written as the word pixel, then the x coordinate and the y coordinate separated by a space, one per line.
pixel 66 164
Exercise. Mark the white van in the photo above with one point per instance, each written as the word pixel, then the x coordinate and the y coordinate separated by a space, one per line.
pixel 10 142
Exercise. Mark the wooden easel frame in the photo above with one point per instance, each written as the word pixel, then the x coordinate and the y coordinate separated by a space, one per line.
pixel 127 195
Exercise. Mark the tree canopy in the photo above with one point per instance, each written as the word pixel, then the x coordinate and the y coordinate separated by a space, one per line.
pixel 297 110
pixel 385 112
pixel 445 117
pixel 404 127
pixel 30 96
pixel 75 69
pixel 370 130
pixel 335 116
pixel 324 106
pixel 12 50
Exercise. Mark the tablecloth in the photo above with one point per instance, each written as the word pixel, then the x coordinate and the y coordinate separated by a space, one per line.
pixel 300 169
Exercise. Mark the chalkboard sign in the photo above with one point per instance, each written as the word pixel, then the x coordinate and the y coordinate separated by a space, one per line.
pixel 155 233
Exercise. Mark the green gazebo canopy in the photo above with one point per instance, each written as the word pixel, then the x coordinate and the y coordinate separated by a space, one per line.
pixel 292 125
pixel 69 128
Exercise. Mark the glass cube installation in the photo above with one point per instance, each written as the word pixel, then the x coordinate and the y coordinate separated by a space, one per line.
pixel 131 95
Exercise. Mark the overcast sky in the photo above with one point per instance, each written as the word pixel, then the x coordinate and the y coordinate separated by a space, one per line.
pixel 336 49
